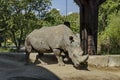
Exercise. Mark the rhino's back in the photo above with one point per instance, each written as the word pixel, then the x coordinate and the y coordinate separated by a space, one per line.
pixel 50 37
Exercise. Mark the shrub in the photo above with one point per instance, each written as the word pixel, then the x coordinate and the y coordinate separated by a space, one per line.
pixel 109 40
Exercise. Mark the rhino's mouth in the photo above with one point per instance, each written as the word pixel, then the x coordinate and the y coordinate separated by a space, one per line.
pixel 83 66
pixel 82 62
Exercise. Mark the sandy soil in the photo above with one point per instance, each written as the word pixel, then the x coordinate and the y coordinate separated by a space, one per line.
pixel 12 68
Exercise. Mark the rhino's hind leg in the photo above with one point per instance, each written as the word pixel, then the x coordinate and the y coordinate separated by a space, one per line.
pixel 38 58
pixel 27 57
pixel 57 52
pixel 28 49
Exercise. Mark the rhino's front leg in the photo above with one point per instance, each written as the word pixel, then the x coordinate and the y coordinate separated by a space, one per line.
pixel 57 52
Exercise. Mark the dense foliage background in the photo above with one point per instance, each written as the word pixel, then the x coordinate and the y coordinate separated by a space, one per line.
pixel 19 17
pixel 109 27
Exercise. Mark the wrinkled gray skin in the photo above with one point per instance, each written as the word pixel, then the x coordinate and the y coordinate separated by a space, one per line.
pixel 56 39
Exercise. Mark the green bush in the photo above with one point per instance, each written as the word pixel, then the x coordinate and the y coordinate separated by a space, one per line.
pixel 4 49
pixel 109 40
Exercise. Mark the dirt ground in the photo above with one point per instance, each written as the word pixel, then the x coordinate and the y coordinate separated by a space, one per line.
pixel 12 68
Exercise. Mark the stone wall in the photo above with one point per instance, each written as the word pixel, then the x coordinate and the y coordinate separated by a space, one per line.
pixel 105 60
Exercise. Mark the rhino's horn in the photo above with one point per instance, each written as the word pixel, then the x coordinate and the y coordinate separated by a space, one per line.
pixel 84 58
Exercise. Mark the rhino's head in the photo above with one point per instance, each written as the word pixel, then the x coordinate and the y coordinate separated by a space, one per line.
pixel 75 52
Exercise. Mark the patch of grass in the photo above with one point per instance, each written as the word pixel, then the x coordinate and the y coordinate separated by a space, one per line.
pixel 2 49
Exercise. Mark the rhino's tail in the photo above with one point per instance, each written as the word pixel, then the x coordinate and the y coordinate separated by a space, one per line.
pixel 28 46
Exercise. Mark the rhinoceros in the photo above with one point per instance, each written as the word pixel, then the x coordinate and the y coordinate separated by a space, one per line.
pixel 57 39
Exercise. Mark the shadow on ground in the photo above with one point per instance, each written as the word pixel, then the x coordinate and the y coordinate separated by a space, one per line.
pixel 12 68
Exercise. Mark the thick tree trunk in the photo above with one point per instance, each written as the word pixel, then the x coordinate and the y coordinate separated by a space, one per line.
pixel 0 44
pixel 89 24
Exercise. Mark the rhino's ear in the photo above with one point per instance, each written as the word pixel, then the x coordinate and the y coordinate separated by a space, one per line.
pixel 71 39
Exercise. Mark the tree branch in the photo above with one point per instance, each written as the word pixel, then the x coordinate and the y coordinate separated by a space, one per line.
pixel 100 2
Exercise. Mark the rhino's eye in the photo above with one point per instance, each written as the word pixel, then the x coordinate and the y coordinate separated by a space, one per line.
pixel 74 55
